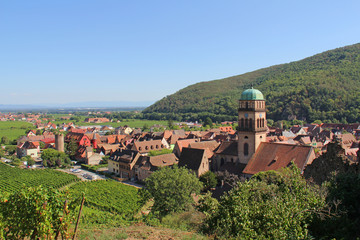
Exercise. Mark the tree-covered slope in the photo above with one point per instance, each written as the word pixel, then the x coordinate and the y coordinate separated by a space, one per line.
pixel 325 87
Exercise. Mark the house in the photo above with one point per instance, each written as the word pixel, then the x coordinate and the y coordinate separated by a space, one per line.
pixel 28 149
pixel 146 165
pixel 180 144
pixel 31 133
pixel 93 158
pixel 208 146
pixel 195 160
pixel 227 129
pixel 273 156
pixel 50 126
pixel 144 147
pixel 123 130
pixel 80 138
pixel 108 149
pixel 346 140
pixel 226 153
pixel 96 120
pixel 122 162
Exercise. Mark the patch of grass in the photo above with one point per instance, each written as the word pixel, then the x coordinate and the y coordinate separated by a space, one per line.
pixel 186 221
pixel 14 129
pixel 137 231
pixel 133 123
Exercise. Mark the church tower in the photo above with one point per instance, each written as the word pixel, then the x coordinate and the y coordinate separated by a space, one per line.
pixel 252 123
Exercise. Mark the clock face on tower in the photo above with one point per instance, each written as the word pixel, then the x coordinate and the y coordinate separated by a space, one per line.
pixel 260 115
pixel 246 115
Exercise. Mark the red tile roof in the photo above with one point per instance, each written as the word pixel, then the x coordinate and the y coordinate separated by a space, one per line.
pixel 273 156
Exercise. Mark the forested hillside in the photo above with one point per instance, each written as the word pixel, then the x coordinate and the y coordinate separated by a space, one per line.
pixel 322 87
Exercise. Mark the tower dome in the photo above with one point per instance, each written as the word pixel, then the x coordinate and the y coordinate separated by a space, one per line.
pixel 252 94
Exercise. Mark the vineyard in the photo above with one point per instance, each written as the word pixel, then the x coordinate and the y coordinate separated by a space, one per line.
pixel 107 201
pixel 13 179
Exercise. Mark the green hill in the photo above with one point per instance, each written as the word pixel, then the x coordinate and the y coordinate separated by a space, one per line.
pixel 325 87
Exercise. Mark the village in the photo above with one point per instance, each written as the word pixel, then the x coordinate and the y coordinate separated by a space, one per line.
pixel 133 154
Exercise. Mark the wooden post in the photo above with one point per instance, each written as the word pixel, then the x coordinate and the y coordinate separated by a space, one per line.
pixel 78 220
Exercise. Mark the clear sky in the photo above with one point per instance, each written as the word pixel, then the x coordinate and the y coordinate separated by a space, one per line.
pixel 61 51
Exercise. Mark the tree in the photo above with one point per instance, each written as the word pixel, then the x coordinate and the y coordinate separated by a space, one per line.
pixel 270 122
pixel 170 123
pixel 209 180
pixel 208 122
pixel 30 162
pixel 71 148
pixel 54 158
pixel 324 166
pixel 145 127
pixel 36 213
pixel 172 189
pixel 105 159
pixel 343 218
pixel 42 145
pixel 271 205
pixel 5 140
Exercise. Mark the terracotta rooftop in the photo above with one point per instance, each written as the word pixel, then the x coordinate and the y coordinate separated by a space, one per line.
pixel 228 148
pixel 273 156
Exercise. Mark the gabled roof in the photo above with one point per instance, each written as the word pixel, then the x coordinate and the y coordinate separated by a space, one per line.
pixel 210 146
pixel 146 146
pixel 125 156
pixel 109 147
pixel 93 136
pixel 346 140
pixel 184 143
pixel 191 158
pixel 78 130
pixel 29 145
pixel 228 148
pixel 273 156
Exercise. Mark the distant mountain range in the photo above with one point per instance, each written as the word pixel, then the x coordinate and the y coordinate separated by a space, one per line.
pixel 81 105
pixel 323 87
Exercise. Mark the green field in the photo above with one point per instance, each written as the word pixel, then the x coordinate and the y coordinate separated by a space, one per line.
pixel 14 129
pixel 13 179
pixel 133 123
pixel 107 202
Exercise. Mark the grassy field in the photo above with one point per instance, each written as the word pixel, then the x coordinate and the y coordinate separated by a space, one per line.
pixel 13 179
pixel 133 123
pixel 14 129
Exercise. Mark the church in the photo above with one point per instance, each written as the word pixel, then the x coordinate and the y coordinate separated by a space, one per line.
pixel 252 153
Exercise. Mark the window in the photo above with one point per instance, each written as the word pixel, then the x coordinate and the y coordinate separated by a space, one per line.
pixel 250 123
pixel 242 123
pixel 246 123
pixel 247 105
pixel 246 149
pixel 258 122
pixel 246 137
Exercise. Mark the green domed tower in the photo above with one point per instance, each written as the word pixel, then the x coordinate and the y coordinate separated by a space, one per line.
pixel 252 123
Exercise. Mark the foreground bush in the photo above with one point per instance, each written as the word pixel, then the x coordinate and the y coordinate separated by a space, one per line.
pixel 35 213
pixel 272 205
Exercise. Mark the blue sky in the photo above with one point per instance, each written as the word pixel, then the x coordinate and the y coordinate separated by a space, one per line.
pixel 116 50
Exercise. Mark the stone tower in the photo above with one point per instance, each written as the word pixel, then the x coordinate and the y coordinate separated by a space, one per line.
pixel 59 142
pixel 252 123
